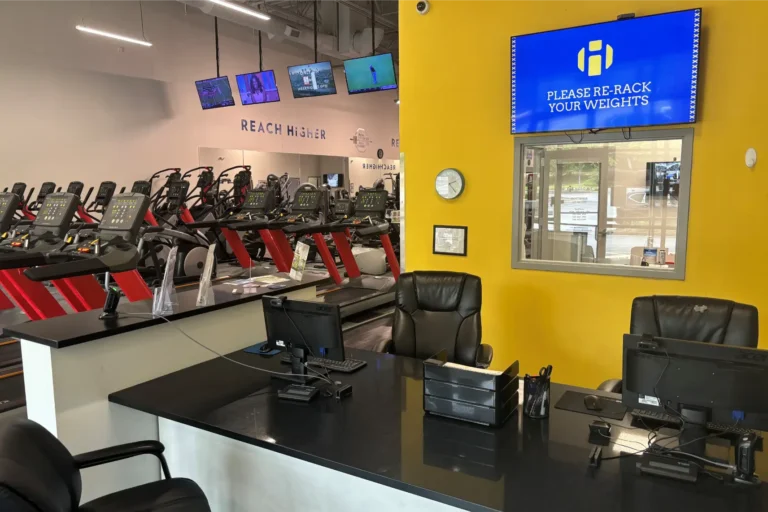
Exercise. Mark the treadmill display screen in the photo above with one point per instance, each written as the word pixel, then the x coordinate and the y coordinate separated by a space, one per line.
pixel 307 200
pixel 57 210
pixel 255 200
pixel 178 190
pixel 141 187
pixel 8 204
pixel 125 213
pixel 372 201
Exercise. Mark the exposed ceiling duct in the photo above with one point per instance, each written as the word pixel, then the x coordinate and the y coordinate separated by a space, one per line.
pixel 351 43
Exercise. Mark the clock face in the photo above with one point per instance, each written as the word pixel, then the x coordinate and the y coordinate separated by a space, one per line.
pixel 449 183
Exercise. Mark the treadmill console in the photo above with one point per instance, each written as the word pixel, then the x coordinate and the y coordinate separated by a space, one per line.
pixel 177 195
pixel 46 188
pixel 124 216
pixel 19 189
pixel 371 202
pixel 76 188
pixel 260 200
pixel 9 202
pixel 343 208
pixel 55 214
pixel 104 195
pixel 306 201
pixel 141 187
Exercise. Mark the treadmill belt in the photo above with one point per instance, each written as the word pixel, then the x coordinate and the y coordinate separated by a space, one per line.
pixel 10 353
pixel 368 336
pixel 343 295
pixel 11 388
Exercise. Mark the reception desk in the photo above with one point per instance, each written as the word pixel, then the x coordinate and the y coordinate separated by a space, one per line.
pixel 72 363
pixel 224 427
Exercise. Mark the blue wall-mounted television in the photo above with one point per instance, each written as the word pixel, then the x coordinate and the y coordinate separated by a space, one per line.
pixel 215 93
pixel 626 73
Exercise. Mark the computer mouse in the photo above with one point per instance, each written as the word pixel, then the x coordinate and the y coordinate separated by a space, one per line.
pixel 593 403
pixel 265 348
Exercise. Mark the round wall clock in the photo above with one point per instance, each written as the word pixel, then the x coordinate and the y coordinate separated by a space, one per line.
pixel 449 183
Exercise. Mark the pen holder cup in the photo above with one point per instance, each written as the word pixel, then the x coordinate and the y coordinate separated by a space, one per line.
pixel 536 397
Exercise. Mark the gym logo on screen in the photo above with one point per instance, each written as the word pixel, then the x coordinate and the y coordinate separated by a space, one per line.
pixel 594 58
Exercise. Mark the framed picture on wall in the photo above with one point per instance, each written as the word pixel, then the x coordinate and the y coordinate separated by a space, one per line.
pixel 450 240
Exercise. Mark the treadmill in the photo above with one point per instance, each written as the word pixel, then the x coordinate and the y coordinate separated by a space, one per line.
pixel 358 292
pixel 365 218
pixel 113 247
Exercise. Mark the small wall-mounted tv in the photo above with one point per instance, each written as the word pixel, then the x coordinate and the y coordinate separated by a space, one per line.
pixel 333 180
pixel 215 93
pixel 370 74
pixel 310 80
pixel 626 73
pixel 256 88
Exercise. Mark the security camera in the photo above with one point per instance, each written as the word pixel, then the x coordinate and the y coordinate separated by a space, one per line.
pixel 422 7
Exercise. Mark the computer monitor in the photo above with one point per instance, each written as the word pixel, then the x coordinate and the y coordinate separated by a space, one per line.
pixel 303 328
pixel 703 382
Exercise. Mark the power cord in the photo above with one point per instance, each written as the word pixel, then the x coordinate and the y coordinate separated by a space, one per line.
pixel 209 349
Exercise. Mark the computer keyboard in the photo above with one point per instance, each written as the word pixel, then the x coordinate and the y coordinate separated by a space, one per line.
pixel 346 366
pixel 658 417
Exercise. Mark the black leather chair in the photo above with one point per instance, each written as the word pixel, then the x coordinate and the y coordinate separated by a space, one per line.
pixel 439 311
pixel 694 319
pixel 38 474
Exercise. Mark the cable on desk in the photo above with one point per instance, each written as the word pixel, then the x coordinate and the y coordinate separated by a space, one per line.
pixel 153 316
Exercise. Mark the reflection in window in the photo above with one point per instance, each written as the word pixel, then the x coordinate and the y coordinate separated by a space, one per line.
pixel 610 203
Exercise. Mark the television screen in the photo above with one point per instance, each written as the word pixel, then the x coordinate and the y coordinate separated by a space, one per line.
pixel 257 88
pixel 215 93
pixel 333 180
pixel 310 80
pixel 369 74
pixel 633 72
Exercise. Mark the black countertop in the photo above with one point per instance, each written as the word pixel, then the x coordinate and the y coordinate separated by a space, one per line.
pixel 73 329
pixel 382 434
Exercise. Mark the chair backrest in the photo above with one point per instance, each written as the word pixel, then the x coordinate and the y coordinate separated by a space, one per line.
pixel 695 319
pixel 436 311
pixel 36 470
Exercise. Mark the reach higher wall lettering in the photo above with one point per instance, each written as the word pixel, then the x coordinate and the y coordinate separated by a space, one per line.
pixel 599 97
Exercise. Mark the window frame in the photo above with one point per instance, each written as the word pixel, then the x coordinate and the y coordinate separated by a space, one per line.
pixel 681 245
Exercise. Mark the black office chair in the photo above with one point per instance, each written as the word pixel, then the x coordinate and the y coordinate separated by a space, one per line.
pixel 694 319
pixel 439 311
pixel 38 474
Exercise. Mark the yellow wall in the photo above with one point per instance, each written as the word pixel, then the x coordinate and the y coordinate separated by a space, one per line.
pixel 454 112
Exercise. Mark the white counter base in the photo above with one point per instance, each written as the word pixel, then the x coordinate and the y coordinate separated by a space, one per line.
pixel 67 388
pixel 240 477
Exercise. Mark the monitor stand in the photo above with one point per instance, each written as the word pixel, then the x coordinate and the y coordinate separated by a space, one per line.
pixel 298 373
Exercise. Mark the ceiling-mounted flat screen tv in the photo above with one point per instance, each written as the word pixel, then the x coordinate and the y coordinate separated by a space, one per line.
pixel 370 74
pixel 309 80
pixel 258 88
pixel 626 73
pixel 215 93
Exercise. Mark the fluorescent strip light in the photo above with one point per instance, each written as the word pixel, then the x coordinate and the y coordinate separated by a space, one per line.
pixel 241 9
pixel 113 36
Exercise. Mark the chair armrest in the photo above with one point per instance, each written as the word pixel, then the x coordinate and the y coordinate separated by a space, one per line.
pixel 484 356
pixel 612 385
pixel 121 452
pixel 384 347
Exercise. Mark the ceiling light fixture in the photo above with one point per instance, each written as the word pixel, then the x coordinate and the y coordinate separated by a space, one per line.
pixel 240 9
pixel 94 31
